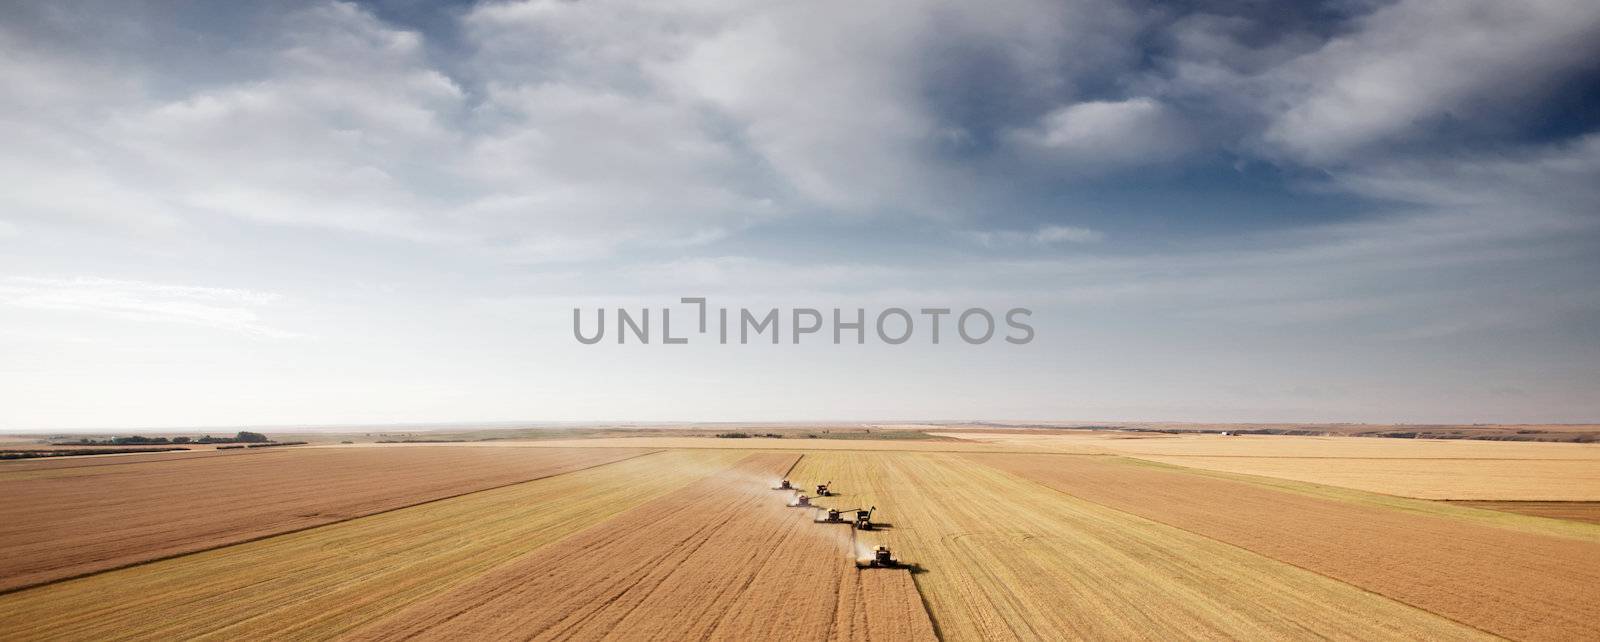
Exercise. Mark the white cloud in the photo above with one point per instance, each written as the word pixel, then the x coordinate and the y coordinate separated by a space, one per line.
pixel 1411 64
pixel 353 127
pixel 581 129
pixel 836 98
pixel 227 309
pixel 1561 174
pixel 1109 134
pixel 1067 234
pixel 763 276
pixel 1045 235
pixel 321 140
pixel 587 129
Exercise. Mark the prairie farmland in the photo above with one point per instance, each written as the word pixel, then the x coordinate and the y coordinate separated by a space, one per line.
pixel 1455 469
pixel 990 536
pixel 57 517
pixel 723 558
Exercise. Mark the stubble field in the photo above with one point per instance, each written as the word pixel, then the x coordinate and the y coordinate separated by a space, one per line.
pixel 722 558
pixel 1006 537
pixel 1455 469
pixel 72 519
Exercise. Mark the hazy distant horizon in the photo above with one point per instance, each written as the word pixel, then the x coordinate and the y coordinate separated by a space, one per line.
pixel 893 423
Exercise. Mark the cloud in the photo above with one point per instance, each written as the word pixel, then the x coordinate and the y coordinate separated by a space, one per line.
pixel 1230 187
pixel 1560 175
pixel 351 125
pixel 226 309
pixel 1415 65
pixel 1043 236
pixel 867 109
pixel 319 141
pixel 558 131
pixel 561 131
pixel 1067 234
pixel 1109 134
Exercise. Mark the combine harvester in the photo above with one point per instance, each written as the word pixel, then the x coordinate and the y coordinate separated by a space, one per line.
pixel 783 485
pixel 801 501
pixel 881 558
pixel 864 519
pixel 822 490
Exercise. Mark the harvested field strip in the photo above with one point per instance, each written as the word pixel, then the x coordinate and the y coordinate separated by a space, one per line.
pixel 1418 468
pixel 1289 446
pixel 1514 584
pixel 721 559
pixel 1428 478
pixel 319 583
pixel 1007 558
pixel 764 443
pixel 1399 459
pixel 1575 511
pixel 67 523
pixel 8 454
pixel 8 468
pixel 1450 509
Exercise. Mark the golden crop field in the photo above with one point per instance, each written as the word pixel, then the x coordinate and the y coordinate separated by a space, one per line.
pixel 58 517
pixel 321 582
pixel 684 538
pixel 1425 468
pixel 763 443
pixel 1011 559
pixel 723 558
pixel 1437 562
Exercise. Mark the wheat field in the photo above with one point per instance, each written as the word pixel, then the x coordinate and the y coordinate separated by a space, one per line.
pixel 1014 538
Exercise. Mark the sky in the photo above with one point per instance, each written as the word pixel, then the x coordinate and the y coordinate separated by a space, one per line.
pixel 280 213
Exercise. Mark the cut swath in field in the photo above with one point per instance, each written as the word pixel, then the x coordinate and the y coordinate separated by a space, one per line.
pixel 723 558
pixel 1007 558
pixel 321 582
pixel 1576 511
